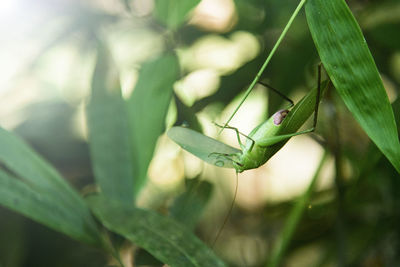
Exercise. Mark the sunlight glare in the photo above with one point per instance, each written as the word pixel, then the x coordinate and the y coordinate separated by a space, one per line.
pixel 8 9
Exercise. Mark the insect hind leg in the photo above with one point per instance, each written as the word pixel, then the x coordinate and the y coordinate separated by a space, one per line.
pixel 269 141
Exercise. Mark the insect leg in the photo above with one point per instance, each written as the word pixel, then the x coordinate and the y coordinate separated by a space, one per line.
pixel 278 93
pixel 269 141
pixel 225 156
pixel 237 135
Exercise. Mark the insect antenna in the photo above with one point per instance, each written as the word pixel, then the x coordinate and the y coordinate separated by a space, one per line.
pixel 229 212
pixel 276 91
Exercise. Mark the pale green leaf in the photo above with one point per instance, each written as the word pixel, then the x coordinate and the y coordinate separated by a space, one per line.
pixel 147 109
pixel 109 138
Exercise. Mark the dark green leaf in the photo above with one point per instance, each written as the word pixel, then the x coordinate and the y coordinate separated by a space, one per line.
pixel 163 237
pixel 349 63
pixel 173 12
pixel 188 207
pixel 110 144
pixel 41 193
pixel 147 109
pixel 142 257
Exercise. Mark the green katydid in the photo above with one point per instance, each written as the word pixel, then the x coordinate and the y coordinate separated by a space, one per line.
pixel 266 139
pixel 262 142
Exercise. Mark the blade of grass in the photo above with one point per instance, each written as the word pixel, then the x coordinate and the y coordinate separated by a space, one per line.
pixel 147 109
pixel 46 208
pixel 349 64
pixel 161 236
pixel 293 220
pixel 41 193
pixel 109 139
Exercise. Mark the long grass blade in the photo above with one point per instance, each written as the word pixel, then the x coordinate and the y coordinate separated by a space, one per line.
pixel 30 186
pixel 147 109
pixel 109 139
pixel 349 63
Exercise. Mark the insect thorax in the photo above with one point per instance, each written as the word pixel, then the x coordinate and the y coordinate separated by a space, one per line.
pixel 251 160
pixel 253 156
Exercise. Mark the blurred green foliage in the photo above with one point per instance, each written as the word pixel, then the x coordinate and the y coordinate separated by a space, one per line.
pixel 148 46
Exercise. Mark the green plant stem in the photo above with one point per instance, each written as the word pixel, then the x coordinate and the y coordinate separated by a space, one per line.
pixel 340 227
pixel 293 219
pixel 258 75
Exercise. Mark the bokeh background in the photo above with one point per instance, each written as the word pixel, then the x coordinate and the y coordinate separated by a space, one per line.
pixel 47 61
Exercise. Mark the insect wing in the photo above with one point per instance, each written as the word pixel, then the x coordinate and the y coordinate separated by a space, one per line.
pixel 203 147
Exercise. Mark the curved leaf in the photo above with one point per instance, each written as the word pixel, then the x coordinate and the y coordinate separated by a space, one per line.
pixel 161 236
pixel 36 190
pixel 349 63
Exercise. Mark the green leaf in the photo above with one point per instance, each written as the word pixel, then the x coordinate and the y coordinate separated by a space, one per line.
pixel 36 190
pixel 147 109
pixel 349 63
pixel 161 236
pixel 109 138
pixel 188 207
pixel 173 12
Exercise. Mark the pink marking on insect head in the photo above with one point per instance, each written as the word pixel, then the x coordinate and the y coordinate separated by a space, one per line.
pixel 279 116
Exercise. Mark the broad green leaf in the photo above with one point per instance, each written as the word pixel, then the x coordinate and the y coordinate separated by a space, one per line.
pixel 203 147
pixel 188 207
pixel 147 109
pixel 349 63
pixel 173 12
pixel 161 236
pixel 36 190
pixel 109 138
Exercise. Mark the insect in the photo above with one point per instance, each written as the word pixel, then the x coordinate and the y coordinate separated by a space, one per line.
pixel 262 142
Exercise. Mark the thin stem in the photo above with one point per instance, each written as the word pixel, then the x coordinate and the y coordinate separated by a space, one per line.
pixel 258 75
pixel 340 229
